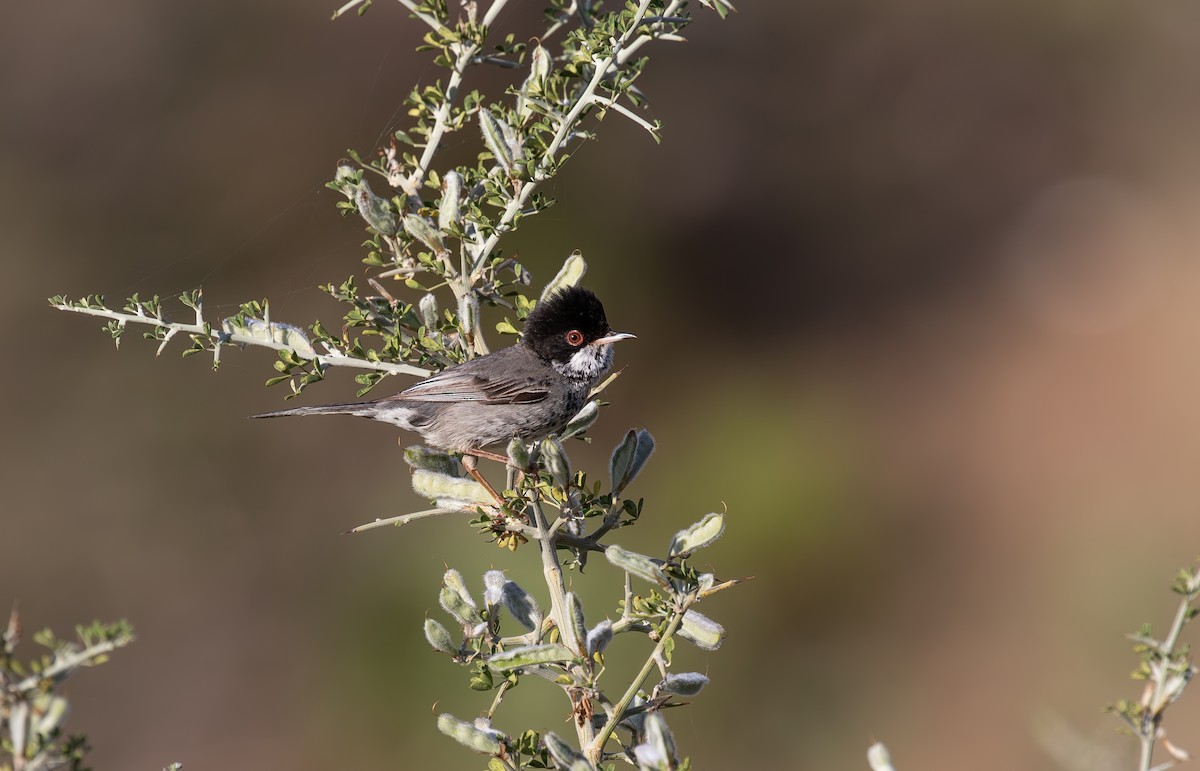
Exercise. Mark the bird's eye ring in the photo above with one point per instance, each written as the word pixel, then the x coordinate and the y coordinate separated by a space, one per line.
pixel 574 337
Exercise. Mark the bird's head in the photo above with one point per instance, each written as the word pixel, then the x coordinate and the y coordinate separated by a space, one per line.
pixel 569 330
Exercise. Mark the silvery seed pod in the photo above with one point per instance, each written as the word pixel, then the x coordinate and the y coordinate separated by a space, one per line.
pixel 599 637
pixel 530 655
pixel 701 631
pixel 683 683
pixel 555 461
pixel 570 274
pixel 565 756
pixel 428 308
pixel 493 588
pixel 439 637
pixel 468 735
pixel 448 210
pixel 521 605
pixel 637 564
pixel 698 535
pixel 456 600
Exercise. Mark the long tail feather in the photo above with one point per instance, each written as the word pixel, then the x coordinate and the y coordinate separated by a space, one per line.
pixel 324 409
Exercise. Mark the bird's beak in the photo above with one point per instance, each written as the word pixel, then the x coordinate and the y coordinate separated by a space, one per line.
pixel 613 337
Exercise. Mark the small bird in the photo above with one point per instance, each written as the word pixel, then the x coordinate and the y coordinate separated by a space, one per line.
pixel 528 390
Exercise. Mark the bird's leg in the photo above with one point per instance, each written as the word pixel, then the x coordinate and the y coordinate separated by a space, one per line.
pixel 470 463
pixel 486 455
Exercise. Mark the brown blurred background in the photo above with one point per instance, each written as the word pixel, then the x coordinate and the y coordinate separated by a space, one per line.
pixel 915 289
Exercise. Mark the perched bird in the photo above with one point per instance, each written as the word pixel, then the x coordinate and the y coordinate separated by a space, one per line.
pixel 528 390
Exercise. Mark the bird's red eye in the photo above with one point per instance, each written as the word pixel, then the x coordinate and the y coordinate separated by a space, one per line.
pixel 574 337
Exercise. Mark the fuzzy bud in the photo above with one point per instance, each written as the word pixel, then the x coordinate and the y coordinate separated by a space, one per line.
pixel 493 587
pixel 683 683
pixel 521 605
pixel 439 637
pixel 456 600
pixel 555 461
pixel 599 637
pixel 698 535
pixel 701 631
pixel 478 739
pixel 530 655
pixel 636 564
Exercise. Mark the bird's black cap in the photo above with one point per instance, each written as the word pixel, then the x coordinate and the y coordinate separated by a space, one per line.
pixel 550 326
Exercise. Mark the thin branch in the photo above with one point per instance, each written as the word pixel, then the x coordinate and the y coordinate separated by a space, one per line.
pixel 64 663
pixel 433 23
pixel 594 750
pixel 1161 674
pixel 327 360
pixel 404 519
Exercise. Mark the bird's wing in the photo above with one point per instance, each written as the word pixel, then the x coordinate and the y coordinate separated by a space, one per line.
pixel 461 384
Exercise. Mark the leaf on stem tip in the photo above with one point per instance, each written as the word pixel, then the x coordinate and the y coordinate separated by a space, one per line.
pixel 698 535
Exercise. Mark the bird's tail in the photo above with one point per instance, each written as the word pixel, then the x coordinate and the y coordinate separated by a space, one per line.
pixel 324 409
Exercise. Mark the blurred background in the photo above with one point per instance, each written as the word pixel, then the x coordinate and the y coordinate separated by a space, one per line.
pixel 915 292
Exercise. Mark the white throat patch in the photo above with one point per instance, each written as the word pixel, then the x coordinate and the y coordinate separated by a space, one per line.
pixel 588 363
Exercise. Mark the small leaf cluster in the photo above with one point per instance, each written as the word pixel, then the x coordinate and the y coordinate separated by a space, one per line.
pixel 32 711
pixel 1165 668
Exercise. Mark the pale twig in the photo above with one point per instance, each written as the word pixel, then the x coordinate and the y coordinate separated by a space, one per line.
pixel 433 23
pixel 595 749
pixel 615 105
pixel 65 662
pixel 327 360
pixel 1161 674
pixel 404 519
